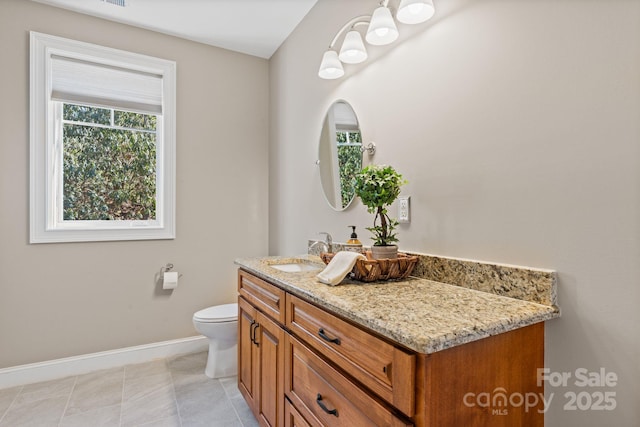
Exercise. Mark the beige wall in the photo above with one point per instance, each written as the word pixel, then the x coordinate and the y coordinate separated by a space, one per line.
pixel 517 124
pixel 60 300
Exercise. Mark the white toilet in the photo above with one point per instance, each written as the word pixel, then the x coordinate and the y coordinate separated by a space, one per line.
pixel 220 325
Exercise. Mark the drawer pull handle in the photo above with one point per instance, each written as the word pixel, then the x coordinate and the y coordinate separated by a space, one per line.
pixel 253 322
pixel 326 338
pixel 254 328
pixel 333 412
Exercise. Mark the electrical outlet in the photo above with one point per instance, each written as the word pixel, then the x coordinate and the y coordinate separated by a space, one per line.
pixel 404 211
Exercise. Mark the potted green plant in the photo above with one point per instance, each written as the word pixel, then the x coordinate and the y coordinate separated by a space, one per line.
pixel 378 186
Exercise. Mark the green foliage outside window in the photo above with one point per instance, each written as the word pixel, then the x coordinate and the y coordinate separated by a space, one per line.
pixel 109 164
pixel 349 163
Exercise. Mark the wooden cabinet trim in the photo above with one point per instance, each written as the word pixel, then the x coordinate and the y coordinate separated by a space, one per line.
pixel 293 418
pixel 270 341
pixel 247 354
pixel 263 295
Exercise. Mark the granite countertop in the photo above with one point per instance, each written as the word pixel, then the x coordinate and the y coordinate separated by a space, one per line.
pixel 420 314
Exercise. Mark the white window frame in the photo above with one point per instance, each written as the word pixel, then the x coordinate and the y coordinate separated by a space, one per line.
pixel 46 224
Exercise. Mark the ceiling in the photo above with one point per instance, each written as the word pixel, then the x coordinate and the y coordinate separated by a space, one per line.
pixel 254 27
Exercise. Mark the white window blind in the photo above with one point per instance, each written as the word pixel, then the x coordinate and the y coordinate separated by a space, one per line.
pixel 344 118
pixel 93 83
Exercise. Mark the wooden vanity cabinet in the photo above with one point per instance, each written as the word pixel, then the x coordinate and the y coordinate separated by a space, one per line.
pixel 305 366
pixel 261 349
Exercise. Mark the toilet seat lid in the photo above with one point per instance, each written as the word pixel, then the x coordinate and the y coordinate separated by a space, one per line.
pixel 218 313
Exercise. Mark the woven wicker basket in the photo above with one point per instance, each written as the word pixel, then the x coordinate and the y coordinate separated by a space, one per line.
pixel 370 270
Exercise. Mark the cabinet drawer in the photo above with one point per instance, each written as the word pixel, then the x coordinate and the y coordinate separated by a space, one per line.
pixel 263 295
pixel 385 369
pixel 326 398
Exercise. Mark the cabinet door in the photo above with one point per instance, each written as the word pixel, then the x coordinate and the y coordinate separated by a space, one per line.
pixel 270 342
pixel 247 353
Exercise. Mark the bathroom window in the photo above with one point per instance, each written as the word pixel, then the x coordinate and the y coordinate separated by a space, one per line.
pixel 102 143
pixel 108 164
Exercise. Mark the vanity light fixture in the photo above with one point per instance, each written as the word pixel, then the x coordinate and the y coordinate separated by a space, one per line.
pixel 415 11
pixel 331 67
pixel 381 30
pixel 352 51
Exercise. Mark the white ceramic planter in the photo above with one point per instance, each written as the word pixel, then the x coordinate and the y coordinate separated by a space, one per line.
pixel 384 252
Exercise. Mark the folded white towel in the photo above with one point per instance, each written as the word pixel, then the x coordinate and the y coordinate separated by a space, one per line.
pixel 339 266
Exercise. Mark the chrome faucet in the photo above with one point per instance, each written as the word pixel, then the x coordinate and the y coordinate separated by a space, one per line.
pixel 328 240
pixel 327 243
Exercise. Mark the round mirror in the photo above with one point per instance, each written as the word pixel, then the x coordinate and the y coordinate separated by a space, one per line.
pixel 339 154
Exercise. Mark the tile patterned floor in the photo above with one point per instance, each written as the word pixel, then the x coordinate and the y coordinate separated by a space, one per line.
pixel 164 393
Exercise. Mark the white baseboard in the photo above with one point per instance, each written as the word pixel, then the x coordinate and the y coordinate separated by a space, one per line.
pixel 76 365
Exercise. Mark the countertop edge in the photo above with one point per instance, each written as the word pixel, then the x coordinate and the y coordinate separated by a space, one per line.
pixel 429 344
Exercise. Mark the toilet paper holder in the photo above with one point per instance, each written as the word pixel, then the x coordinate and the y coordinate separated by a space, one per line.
pixel 166 268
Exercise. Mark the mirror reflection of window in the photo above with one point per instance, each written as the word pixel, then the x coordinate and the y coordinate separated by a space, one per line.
pixel 340 154
pixel 348 144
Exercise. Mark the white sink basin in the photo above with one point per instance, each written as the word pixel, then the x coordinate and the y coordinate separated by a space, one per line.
pixel 296 267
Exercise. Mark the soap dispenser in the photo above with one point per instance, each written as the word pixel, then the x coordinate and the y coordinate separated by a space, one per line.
pixel 353 244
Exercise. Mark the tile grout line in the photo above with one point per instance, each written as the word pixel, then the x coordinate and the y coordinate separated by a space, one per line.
pixel 124 380
pixel 12 402
pixel 66 406
pixel 173 387
pixel 231 403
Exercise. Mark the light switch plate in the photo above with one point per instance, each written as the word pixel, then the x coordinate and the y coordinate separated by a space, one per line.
pixel 404 209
